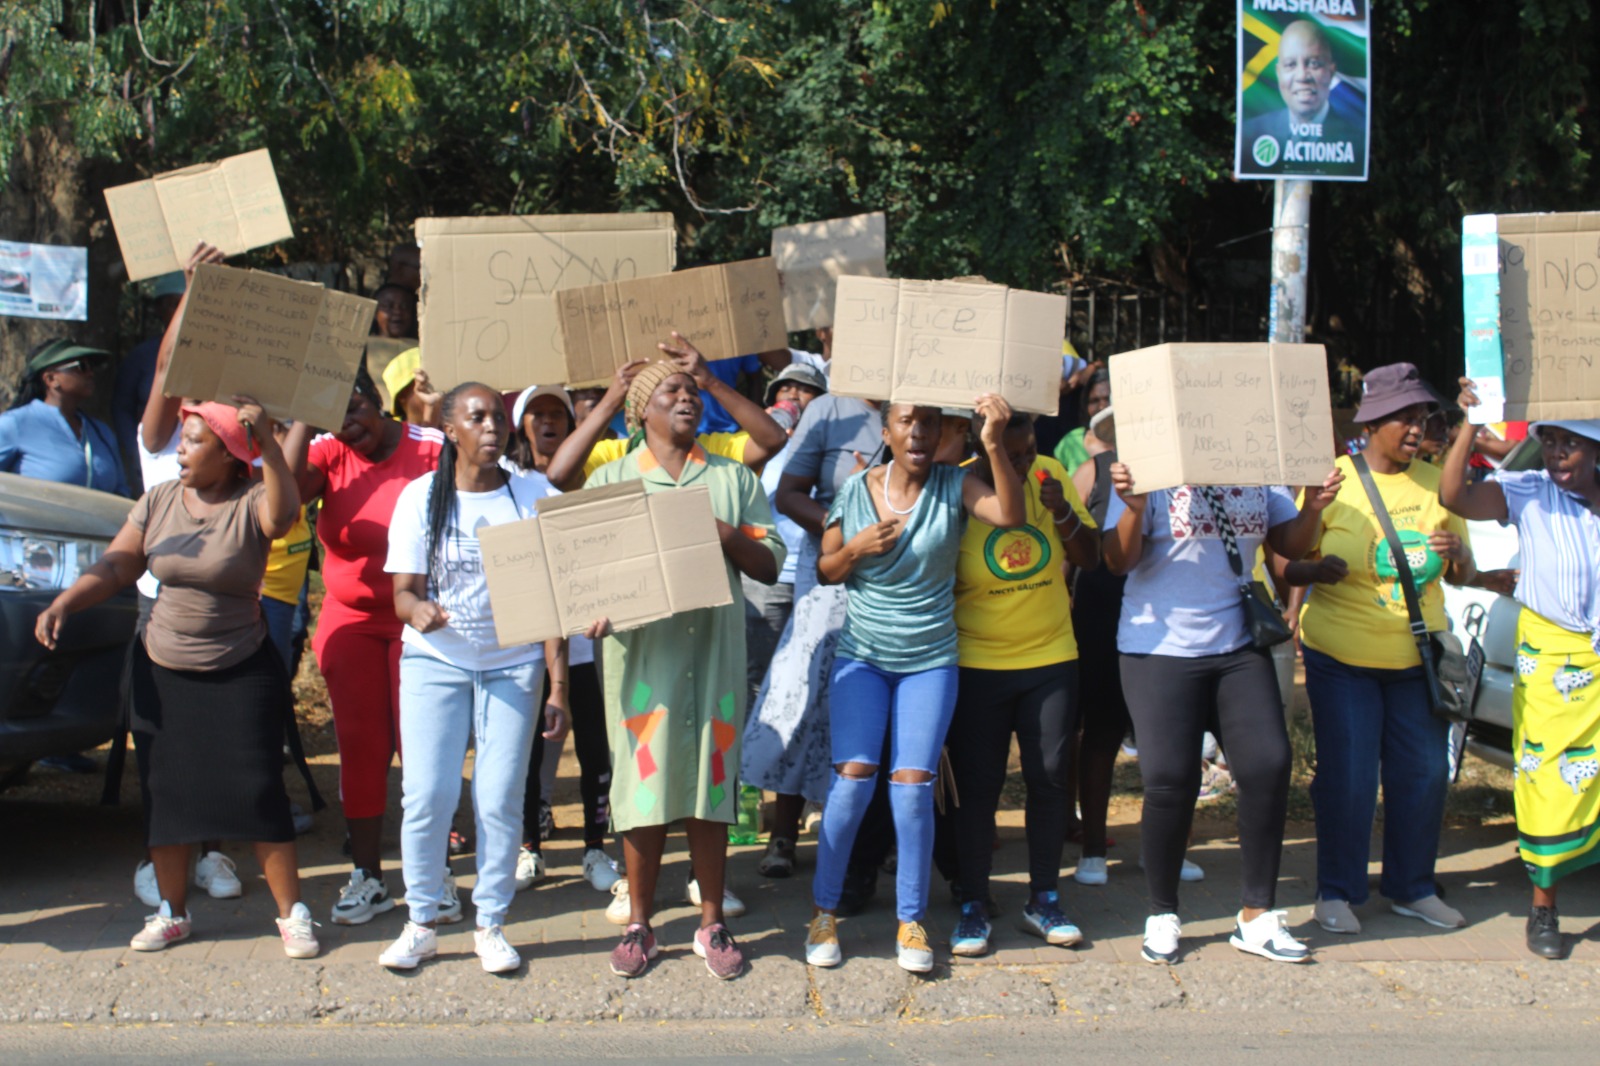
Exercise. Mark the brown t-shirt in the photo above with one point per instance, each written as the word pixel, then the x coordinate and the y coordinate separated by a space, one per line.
pixel 208 614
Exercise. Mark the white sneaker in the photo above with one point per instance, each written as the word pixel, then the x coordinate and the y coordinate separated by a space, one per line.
pixel 1267 935
pixel 449 903
pixel 1161 935
pixel 1091 870
pixel 732 906
pixel 161 929
pixel 362 899
pixel 498 956
pixel 216 874
pixel 144 884
pixel 1191 872
pixel 600 870
pixel 530 868
pixel 299 936
pixel 414 944
pixel 620 909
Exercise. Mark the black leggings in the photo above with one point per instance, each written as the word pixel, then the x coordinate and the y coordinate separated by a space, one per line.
pixel 1040 705
pixel 590 744
pixel 1103 714
pixel 1173 702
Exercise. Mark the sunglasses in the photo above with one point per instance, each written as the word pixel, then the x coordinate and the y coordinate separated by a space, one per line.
pixel 76 366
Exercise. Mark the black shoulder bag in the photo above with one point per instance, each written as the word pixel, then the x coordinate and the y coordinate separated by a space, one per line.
pixel 1451 672
pixel 1261 615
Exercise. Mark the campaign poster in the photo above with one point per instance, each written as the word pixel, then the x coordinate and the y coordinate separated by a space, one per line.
pixel 1305 90
pixel 44 281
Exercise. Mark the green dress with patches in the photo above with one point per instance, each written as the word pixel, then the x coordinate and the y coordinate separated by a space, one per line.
pixel 676 689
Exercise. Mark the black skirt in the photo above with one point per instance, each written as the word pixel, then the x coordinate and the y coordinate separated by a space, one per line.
pixel 210 750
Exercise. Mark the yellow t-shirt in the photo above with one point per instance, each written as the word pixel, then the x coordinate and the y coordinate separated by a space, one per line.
pixel 287 562
pixel 1013 611
pixel 727 445
pixel 1362 620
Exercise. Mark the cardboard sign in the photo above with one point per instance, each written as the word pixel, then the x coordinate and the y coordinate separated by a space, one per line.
pixel 487 312
pixel 234 204
pixel 293 346
pixel 1223 414
pixel 613 552
pixel 728 310
pixel 942 343
pixel 811 258
pixel 1549 330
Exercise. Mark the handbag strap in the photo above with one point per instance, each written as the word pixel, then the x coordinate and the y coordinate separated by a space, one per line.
pixel 1230 542
pixel 1397 554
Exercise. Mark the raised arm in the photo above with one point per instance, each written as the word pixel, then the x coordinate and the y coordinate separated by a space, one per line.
pixel 1122 545
pixel 309 479
pixel 1479 502
pixel 161 411
pixel 1294 538
pixel 566 466
pixel 767 438
pixel 279 506
pixel 1003 505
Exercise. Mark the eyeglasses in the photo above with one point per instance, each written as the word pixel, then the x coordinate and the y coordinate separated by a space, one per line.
pixel 76 366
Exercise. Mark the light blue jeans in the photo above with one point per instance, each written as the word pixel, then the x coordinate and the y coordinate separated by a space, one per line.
pixel 442 708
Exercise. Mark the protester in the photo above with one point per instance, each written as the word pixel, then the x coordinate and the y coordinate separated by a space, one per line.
pixel 396 316
pixel 1018 674
pixel 457 684
pixel 1080 445
pixel 542 418
pixel 895 672
pixel 1370 706
pixel 415 400
pixel 358 474
pixel 210 697
pixel 136 374
pixel 1188 664
pixel 47 435
pixel 675 688
pixel 1555 716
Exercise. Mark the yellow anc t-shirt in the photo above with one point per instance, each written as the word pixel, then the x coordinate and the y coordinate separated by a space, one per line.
pixel 1362 620
pixel 727 445
pixel 287 562
pixel 1012 607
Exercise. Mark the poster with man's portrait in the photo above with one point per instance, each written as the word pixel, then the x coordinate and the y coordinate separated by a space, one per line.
pixel 1305 90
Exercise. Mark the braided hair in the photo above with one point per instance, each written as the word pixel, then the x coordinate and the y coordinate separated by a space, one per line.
pixel 31 387
pixel 442 493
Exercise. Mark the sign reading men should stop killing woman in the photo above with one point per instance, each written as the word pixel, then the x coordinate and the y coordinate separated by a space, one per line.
pixel 1304 90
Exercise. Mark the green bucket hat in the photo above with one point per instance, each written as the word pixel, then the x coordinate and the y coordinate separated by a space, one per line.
pixel 59 351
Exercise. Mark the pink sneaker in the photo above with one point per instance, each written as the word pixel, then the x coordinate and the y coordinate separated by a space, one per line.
pixel 631 958
pixel 723 958
pixel 161 929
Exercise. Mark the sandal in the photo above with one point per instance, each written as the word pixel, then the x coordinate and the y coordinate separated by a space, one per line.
pixel 779 860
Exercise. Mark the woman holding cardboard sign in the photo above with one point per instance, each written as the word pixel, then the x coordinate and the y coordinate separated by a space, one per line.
pixel 676 689
pixel 457 683
pixel 1191 661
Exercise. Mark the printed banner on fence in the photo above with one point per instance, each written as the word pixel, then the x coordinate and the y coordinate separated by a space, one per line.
pixel 1304 90
pixel 44 281
pixel 813 256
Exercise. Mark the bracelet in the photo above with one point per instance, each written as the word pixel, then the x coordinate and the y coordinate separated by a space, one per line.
pixel 1070 514
pixel 554 682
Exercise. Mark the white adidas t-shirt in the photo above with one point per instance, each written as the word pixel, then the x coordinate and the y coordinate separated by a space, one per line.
pixel 154 468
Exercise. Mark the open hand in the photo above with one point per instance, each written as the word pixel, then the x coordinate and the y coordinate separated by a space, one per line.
pixel 687 358
pixel 203 253
pixel 1318 497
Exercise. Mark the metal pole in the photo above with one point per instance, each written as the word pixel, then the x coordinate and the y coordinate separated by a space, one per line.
pixel 1291 247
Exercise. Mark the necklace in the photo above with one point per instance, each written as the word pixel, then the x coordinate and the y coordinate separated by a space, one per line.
pixel 887 474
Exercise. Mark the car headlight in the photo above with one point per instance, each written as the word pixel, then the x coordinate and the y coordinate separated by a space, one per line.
pixel 37 561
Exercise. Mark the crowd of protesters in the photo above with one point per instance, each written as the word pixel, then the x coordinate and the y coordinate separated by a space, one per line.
pixel 912 589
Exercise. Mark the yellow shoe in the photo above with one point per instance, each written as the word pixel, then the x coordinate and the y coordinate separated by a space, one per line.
pixel 911 948
pixel 822 941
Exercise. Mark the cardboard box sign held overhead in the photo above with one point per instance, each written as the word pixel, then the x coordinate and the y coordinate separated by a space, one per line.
pixel 813 256
pixel 725 311
pixel 487 312
pixel 1549 321
pixel 293 346
pixel 234 204
pixel 942 343
pixel 1223 414
pixel 613 552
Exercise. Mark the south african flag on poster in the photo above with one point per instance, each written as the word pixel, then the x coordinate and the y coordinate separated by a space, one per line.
pixel 1305 81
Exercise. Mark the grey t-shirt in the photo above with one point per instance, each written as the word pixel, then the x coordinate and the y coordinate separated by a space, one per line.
pixel 833 428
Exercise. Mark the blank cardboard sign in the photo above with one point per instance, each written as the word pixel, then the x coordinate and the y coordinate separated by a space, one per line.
pixel 942 343
pixel 1550 315
pixel 614 552
pixel 1223 414
pixel 725 311
pixel 811 258
pixel 293 346
pixel 234 204
pixel 487 312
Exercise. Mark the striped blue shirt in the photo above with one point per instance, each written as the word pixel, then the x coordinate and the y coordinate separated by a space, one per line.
pixel 1560 542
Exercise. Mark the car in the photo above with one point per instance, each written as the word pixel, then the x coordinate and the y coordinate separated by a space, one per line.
pixel 1491 619
pixel 67 700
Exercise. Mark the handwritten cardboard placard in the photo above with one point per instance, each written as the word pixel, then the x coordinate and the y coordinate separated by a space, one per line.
pixel 812 256
pixel 1223 414
pixel 727 310
pixel 294 346
pixel 487 312
pixel 234 204
pixel 1549 273
pixel 941 343
pixel 613 552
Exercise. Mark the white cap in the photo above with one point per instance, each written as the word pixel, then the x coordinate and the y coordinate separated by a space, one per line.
pixel 1589 428
pixel 526 397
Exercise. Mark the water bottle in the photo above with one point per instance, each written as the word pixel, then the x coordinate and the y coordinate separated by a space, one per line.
pixel 747 830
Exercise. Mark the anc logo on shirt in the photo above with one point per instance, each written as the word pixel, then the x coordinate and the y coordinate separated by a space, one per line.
pixel 1425 565
pixel 1016 554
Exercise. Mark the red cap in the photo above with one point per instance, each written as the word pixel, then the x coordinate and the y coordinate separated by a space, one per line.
pixel 224 422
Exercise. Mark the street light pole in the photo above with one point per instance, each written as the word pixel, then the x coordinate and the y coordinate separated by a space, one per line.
pixel 1291 248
